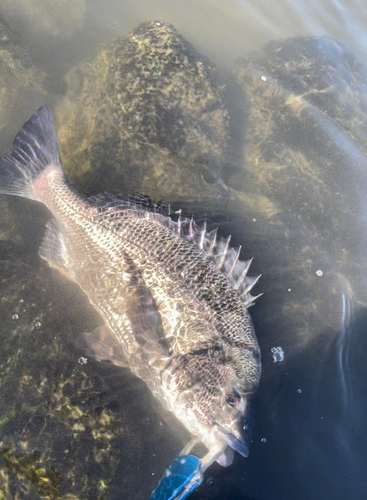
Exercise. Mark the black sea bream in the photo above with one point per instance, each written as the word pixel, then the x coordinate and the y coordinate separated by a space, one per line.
pixel 174 299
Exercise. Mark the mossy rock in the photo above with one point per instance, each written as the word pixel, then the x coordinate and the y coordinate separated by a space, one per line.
pixel 303 177
pixel 148 114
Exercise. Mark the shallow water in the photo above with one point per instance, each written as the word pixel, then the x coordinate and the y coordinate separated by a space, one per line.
pixel 308 439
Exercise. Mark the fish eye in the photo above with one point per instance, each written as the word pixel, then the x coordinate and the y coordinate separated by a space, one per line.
pixel 231 399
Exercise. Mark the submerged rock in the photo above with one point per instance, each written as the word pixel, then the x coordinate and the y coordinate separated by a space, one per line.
pixel 149 114
pixel 304 179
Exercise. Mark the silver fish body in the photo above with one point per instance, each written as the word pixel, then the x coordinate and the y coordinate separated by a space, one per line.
pixel 174 299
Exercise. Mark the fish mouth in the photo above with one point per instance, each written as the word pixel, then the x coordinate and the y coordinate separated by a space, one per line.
pixel 236 443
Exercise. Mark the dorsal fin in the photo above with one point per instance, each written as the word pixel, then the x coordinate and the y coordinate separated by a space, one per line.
pixel 225 257
pixel 139 202
pixel 146 203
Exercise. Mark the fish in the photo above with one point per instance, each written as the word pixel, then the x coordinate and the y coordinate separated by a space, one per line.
pixel 173 297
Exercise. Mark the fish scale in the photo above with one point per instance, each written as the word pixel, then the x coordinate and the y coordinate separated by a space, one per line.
pixel 174 299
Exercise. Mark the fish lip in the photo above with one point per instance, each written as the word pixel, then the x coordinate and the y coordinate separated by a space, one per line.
pixel 236 444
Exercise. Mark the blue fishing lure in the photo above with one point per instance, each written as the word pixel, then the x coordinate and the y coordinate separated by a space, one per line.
pixel 181 478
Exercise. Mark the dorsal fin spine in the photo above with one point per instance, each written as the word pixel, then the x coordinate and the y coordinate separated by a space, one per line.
pixel 250 286
pixel 191 228
pixel 251 300
pixel 230 274
pixel 213 243
pixel 203 234
pixel 243 275
pixel 225 252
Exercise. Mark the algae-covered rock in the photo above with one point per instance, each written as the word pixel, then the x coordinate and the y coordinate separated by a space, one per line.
pixel 304 178
pixel 148 114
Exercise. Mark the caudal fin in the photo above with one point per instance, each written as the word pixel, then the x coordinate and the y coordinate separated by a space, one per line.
pixel 34 148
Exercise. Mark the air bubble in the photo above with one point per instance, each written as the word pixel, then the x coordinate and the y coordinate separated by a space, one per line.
pixel 278 354
pixel 38 325
pixel 299 391
pixel 263 440
pixel 319 272
pixel 15 316
pixel 210 482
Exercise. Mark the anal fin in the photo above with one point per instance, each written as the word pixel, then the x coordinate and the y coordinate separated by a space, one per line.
pixel 101 345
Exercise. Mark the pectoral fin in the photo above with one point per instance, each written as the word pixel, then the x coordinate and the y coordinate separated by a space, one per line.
pixel 53 248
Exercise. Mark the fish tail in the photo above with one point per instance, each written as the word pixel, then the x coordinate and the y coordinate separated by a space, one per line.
pixel 33 150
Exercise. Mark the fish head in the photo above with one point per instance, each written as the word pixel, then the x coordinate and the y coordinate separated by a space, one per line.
pixel 212 396
pixel 232 411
